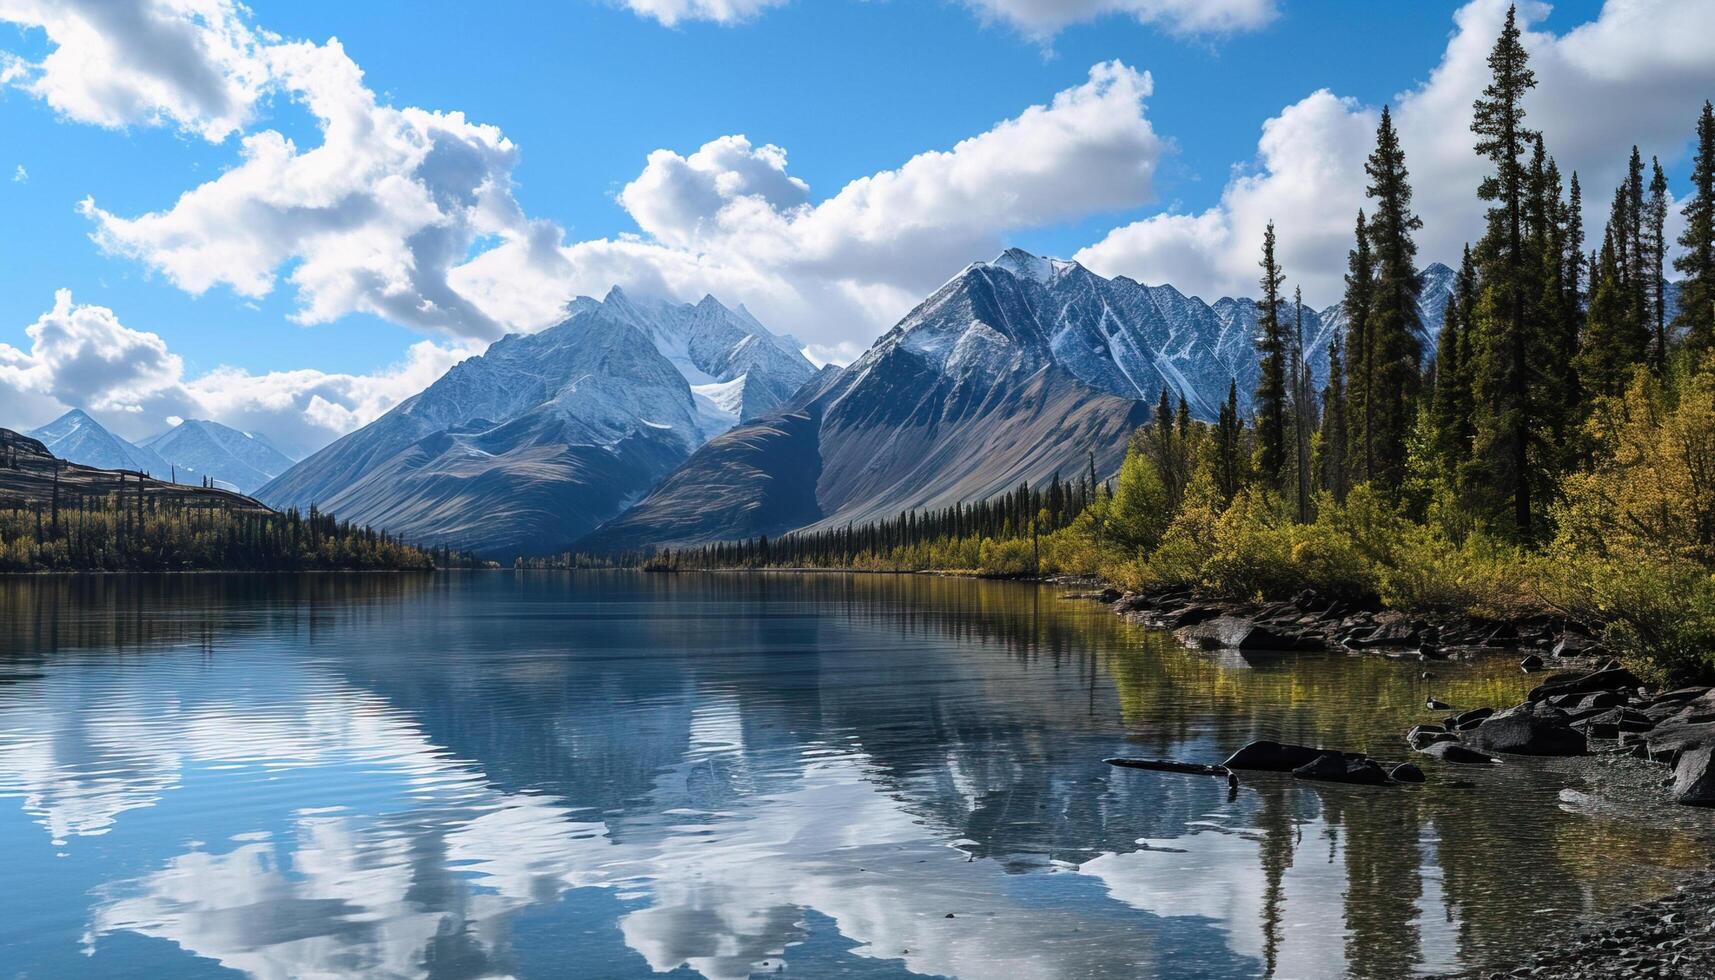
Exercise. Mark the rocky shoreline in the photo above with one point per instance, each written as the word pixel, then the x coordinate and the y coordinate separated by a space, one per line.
pixel 1592 705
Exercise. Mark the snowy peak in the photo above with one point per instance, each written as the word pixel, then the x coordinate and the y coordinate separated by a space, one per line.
pixel 236 460
pixel 1116 335
pixel 77 438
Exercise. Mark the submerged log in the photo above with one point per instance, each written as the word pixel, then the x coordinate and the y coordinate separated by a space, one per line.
pixel 1168 765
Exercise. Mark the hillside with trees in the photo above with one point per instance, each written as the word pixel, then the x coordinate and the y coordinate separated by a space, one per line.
pixel 59 516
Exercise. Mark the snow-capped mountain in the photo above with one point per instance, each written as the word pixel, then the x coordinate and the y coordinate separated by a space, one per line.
pixel 736 368
pixel 77 438
pixel 1013 370
pixel 521 449
pixel 236 460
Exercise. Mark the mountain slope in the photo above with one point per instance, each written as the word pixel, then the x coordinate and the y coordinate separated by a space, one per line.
pixel 77 438
pixel 236 459
pixel 1014 370
pixel 520 450
pixel 32 476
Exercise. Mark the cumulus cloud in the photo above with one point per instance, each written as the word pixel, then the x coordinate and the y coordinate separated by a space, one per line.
pixel 82 356
pixel 373 218
pixel 673 12
pixel 1638 72
pixel 729 219
pixel 194 64
pixel 1042 19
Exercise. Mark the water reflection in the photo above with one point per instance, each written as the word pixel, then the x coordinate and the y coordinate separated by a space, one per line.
pixel 610 775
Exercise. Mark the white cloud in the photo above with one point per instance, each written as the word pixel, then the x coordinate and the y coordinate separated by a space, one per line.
pixel 190 63
pixel 1638 72
pixel 20 175
pixel 1042 19
pixel 674 12
pixel 728 219
pixel 82 356
pixel 374 217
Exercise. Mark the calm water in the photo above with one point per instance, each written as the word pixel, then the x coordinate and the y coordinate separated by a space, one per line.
pixel 611 775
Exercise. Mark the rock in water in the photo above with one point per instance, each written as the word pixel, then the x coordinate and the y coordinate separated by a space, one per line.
pixel 1405 772
pixel 1267 756
pixel 1522 731
pixel 1607 679
pixel 1424 736
pixel 1331 767
pixel 1694 777
pixel 1454 752
pixel 1239 633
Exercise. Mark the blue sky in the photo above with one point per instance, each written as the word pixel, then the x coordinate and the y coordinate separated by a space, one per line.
pixel 585 91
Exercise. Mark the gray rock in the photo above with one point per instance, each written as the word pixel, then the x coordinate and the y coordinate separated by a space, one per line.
pixel 1694 777
pixel 1239 633
pixel 1526 732
pixel 1456 753
pixel 1405 772
pixel 1331 767
pixel 1268 756
pixel 1609 679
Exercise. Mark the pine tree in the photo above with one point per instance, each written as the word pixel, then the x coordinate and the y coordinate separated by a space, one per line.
pixel 1502 331
pixel 1614 340
pixel 1697 289
pixel 1303 408
pixel 1271 383
pixel 1331 466
pixel 1229 446
pixel 1451 405
pixel 1655 230
pixel 1394 351
pixel 1360 285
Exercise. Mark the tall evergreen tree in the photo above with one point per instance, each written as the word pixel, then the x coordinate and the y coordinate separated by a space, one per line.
pixel 1697 265
pixel 1655 231
pixel 1271 382
pixel 1614 339
pixel 1451 404
pixel 1229 446
pixel 1502 332
pixel 1303 408
pixel 1360 288
pixel 1393 349
pixel 1331 466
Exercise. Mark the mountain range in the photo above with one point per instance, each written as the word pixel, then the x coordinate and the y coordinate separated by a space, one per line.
pixel 189 451
pixel 544 436
pixel 1014 370
pixel 638 423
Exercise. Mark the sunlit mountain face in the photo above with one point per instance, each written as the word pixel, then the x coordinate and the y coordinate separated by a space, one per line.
pixel 382 776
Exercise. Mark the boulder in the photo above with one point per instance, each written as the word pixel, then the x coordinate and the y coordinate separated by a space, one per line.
pixel 1525 732
pixel 1405 772
pixel 1694 777
pixel 1131 602
pixel 1667 742
pixel 1468 719
pixel 1608 679
pixel 1239 633
pixel 1610 723
pixel 1332 767
pixel 1398 634
pixel 1426 735
pixel 1189 616
pixel 1532 664
pixel 1456 753
pixel 1267 756
pixel 1573 644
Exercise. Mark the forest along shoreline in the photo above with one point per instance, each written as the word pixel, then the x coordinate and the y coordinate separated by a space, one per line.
pixel 1587 703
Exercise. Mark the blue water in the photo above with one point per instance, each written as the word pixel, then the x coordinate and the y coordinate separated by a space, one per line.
pixel 731 775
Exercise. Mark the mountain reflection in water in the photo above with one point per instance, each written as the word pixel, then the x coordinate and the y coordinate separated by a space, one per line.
pixel 614 775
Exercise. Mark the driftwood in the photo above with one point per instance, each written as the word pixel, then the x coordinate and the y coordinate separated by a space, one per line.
pixel 1168 765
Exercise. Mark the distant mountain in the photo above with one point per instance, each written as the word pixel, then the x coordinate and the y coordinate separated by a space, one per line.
pixel 239 460
pixel 1014 370
pixel 77 438
pixel 519 450
pixel 545 436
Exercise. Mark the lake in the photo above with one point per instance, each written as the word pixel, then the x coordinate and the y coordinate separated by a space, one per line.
pixel 619 775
